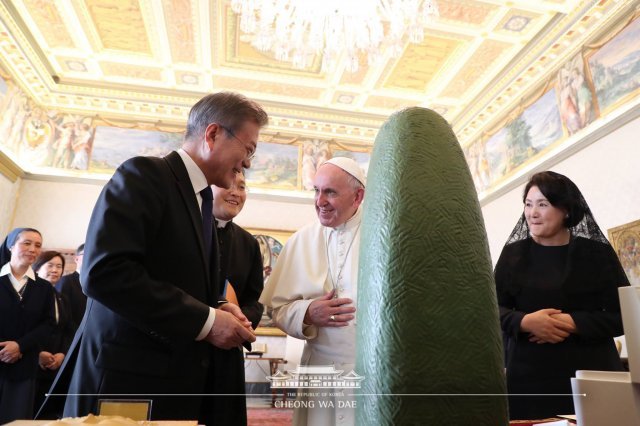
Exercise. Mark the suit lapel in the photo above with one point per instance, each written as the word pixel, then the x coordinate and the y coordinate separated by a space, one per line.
pixel 185 188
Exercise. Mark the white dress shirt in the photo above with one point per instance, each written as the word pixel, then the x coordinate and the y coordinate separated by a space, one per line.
pixel 199 182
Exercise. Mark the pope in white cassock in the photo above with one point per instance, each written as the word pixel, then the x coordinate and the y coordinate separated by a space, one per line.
pixel 313 289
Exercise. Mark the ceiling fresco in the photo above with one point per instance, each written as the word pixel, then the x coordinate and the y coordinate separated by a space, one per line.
pixel 148 61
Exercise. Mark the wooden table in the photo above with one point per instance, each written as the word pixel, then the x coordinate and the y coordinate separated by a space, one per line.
pixel 273 369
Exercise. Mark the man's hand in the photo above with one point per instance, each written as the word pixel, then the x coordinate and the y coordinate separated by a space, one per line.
pixel 237 312
pixel 45 359
pixel 57 361
pixel 10 352
pixel 544 328
pixel 228 332
pixel 326 311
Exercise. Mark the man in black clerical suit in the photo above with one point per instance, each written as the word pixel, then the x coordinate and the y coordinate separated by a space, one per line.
pixel 240 258
pixel 150 322
pixel 69 286
pixel 241 271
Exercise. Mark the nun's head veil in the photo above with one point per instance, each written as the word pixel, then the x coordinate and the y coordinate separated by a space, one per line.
pixel 12 237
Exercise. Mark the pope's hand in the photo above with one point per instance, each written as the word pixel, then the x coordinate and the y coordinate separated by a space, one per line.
pixel 326 311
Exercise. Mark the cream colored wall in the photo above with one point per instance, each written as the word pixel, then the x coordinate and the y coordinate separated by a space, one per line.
pixel 288 215
pixel 61 211
pixel 8 195
pixel 608 174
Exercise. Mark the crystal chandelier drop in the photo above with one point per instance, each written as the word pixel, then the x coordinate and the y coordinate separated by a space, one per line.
pixel 296 30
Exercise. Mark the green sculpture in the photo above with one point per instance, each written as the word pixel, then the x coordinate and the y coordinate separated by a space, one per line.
pixel 429 344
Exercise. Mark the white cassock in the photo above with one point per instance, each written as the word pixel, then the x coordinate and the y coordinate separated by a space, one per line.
pixel 315 260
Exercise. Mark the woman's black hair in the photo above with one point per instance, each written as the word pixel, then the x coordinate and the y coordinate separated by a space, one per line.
pixel 561 193
pixel 46 256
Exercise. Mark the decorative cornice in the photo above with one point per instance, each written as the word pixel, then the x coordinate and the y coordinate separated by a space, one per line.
pixel 9 168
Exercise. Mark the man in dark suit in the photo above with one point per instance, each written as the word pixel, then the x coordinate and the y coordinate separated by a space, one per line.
pixel 69 286
pixel 150 321
pixel 241 270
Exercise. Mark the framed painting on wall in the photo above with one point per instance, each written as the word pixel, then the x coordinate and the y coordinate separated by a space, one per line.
pixel 271 243
pixel 625 240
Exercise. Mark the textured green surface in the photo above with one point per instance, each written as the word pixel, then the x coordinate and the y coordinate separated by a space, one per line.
pixel 427 310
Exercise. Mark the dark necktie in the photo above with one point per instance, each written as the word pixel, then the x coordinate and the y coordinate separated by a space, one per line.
pixel 207 218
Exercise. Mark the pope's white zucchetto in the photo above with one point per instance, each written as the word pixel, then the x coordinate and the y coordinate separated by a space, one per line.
pixel 349 166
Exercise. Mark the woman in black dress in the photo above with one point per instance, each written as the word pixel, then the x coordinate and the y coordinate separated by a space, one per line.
pixel 26 319
pixel 557 282
pixel 50 266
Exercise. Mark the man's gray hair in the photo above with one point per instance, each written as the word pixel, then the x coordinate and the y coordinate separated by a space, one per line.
pixel 228 109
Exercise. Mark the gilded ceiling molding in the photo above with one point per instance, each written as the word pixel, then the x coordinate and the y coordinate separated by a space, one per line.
pixel 141 125
pixel 158 94
pixel 17 57
pixel 9 169
pixel 154 105
pixel 611 33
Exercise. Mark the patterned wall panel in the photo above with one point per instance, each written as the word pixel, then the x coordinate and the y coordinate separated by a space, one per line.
pixel 115 32
pixel 474 70
pixel 50 23
pixel 274 88
pixel 115 69
pixel 179 18
pixel 420 63
pixel 466 12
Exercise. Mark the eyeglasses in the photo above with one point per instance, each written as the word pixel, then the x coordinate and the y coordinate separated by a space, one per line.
pixel 251 153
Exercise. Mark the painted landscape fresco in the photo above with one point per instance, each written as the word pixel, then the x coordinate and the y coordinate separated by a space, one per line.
pixel 616 67
pixel 275 166
pixel 113 145
pixel 585 89
pixel 604 77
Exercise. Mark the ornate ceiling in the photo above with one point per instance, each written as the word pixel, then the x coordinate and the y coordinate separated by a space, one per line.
pixel 150 60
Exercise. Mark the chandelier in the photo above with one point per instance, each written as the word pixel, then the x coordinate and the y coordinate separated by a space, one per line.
pixel 296 30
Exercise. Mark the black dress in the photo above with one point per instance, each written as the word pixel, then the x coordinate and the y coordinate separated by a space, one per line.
pixel 580 279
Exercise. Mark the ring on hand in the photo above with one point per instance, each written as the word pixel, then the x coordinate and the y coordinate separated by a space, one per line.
pixel 332 317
